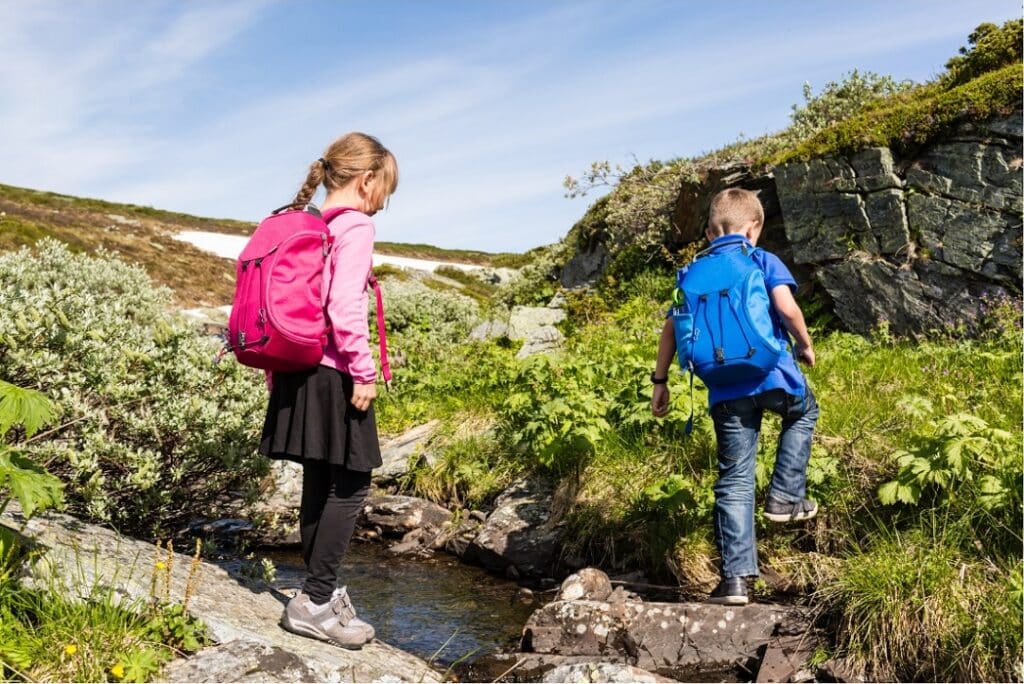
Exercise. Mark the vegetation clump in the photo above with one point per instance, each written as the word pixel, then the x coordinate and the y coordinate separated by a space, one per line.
pixel 150 431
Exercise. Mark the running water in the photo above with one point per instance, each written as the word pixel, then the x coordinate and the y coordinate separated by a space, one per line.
pixel 436 608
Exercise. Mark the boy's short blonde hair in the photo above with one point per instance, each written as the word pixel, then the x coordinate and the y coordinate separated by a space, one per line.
pixel 732 209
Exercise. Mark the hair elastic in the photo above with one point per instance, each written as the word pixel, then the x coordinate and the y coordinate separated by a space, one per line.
pixel 327 166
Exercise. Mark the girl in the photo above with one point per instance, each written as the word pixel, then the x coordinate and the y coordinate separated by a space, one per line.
pixel 323 418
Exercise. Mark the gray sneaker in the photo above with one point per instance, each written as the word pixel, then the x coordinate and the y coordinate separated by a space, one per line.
pixel 340 596
pixel 329 622
pixel 780 511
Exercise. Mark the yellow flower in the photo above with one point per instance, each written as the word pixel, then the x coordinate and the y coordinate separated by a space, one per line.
pixel 70 649
pixel 118 671
pixel 160 565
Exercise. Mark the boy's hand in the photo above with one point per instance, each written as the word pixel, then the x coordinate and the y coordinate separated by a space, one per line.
pixel 659 400
pixel 805 354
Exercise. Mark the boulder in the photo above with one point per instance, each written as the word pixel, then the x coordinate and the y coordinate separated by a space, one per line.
pixel 489 330
pixel 77 558
pixel 787 659
pixel 520 533
pixel 660 637
pixel 525 320
pixel 400 454
pixel 597 671
pixel 396 516
pixel 589 583
pixel 543 340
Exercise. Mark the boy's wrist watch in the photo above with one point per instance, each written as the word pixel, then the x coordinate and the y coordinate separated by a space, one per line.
pixel 658 381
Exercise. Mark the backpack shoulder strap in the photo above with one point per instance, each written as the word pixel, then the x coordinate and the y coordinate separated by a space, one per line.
pixel 329 215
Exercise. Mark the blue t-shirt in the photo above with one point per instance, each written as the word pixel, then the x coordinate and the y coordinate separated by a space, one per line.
pixel 786 375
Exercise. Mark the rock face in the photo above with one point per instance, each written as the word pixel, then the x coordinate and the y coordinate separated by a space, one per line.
pixel 660 637
pixel 584 267
pixel 520 537
pixel 919 243
pixel 543 340
pixel 241 615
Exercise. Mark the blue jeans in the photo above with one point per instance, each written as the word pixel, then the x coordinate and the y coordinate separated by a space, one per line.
pixel 737 428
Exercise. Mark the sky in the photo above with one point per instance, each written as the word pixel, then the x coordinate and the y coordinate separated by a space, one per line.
pixel 217 108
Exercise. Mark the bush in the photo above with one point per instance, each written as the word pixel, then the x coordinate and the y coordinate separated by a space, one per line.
pixel 991 47
pixel 151 432
pixel 414 308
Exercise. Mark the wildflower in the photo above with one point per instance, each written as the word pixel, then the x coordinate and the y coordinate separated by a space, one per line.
pixel 160 565
pixel 70 650
pixel 117 670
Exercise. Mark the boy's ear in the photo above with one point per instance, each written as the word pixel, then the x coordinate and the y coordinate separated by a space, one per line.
pixel 709 235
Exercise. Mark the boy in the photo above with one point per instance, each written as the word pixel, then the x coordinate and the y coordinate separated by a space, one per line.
pixel 735 221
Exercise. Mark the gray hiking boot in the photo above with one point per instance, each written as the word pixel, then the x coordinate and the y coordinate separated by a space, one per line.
pixel 340 596
pixel 780 511
pixel 329 622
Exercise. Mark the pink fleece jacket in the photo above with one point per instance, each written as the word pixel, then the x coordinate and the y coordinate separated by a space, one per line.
pixel 346 274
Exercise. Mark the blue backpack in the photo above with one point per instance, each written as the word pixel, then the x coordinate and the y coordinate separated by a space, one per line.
pixel 722 317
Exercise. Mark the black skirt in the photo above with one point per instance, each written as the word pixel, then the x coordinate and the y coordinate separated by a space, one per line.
pixel 310 418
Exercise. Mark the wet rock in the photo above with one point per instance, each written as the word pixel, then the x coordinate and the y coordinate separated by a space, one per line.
pixel 520 532
pixel 589 583
pixel 398 515
pixel 541 341
pixel 654 636
pixel 525 596
pixel 77 558
pixel 601 672
pixel 402 453
pixel 456 539
pixel 525 320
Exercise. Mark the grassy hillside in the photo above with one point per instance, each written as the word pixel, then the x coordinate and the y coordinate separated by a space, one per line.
pixel 145 236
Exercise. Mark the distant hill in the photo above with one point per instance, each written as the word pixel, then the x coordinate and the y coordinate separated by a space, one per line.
pixel 145 236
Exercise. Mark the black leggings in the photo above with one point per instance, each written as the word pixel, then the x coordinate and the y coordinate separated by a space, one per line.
pixel 331 498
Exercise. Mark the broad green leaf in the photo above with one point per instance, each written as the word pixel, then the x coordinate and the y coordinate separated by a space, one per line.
pixel 21 406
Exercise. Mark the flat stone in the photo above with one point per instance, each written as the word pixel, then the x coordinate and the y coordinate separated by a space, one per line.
pixel 654 636
pixel 79 557
pixel 489 330
pixel 596 671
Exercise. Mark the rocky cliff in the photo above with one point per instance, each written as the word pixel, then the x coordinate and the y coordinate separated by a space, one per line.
pixel 919 242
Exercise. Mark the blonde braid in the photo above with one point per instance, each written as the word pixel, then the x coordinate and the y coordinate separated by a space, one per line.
pixel 308 189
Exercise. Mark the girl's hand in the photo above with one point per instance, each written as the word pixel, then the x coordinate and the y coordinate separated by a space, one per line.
pixel 363 395
pixel 659 400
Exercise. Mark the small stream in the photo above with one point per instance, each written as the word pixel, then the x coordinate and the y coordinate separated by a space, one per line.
pixel 436 608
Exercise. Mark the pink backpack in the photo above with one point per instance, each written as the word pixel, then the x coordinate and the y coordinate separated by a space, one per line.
pixel 277 320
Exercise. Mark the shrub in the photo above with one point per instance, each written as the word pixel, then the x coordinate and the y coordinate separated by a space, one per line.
pixel 151 432
pixel 414 308
pixel 991 47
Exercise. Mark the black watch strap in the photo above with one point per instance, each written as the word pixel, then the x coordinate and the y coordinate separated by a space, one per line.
pixel 658 381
